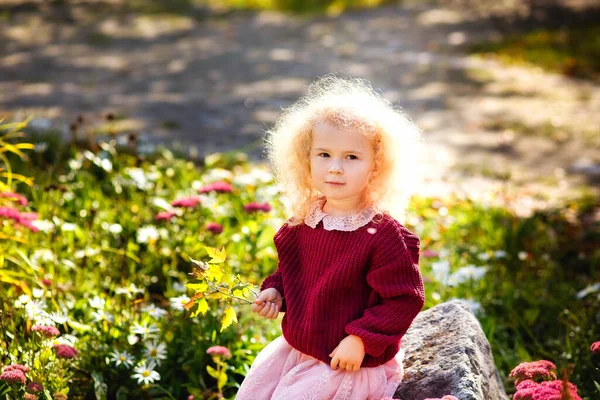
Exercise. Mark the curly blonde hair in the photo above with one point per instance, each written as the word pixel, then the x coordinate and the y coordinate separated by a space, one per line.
pixel 349 104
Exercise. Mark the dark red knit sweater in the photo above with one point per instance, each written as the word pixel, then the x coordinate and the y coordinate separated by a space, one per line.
pixel 335 283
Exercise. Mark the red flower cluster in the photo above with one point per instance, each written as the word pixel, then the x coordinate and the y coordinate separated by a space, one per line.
pixel 534 371
pixel 191 201
pixel 214 227
pixel 29 396
pixel 595 347
pixel 34 387
pixel 15 196
pixel 164 216
pixel 65 351
pixel 14 373
pixel 547 390
pixel 219 350
pixel 219 187
pixel 20 218
pixel 255 207
pixel 48 331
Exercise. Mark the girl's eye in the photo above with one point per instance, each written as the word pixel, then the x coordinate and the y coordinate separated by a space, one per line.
pixel 323 155
pixel 352 157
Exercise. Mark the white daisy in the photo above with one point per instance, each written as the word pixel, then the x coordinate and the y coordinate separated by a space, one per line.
pixel 154 312
pixel 101 315
pixel 34 309
pixel 144 373
pixel 122 358
pixel 147 331
pixel 178 303
pixel 470 272
pixel 156 352
pixel 97 302
pixel 147 233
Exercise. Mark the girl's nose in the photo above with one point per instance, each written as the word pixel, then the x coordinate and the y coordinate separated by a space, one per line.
pixel 335 168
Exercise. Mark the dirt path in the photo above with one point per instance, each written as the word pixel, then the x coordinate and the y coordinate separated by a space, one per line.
pixel 215 84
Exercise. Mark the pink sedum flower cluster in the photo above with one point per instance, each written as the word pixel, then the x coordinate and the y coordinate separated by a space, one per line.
pixel 47 331
pixel 65 351
pixel 15 196
pixel 187 202
pixel 214 227
pixel 547 390
pixel 164 216
pixel 14 373
pixel 34 387
pixel 25 219
pixel 534 371
pixel 595 348
pixel 256 207
pixel 219 350
pixel 219 187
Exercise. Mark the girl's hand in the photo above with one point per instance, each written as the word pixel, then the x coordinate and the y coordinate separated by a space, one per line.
pixel 349 354
pixel 268 303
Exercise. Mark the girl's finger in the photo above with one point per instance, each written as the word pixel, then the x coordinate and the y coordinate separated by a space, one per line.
pixel 271 313
pixel 275 311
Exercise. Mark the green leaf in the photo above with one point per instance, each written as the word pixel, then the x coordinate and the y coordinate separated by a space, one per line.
pixel 212 372
pixel 228 318
pixel 122 393
pixel 222 379
pixel 216 256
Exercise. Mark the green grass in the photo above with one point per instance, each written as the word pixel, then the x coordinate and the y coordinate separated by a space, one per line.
pixel 574 51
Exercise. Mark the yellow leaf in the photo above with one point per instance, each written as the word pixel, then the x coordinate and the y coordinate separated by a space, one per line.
pixel 202 308
pixel 214 273
pixel 238 293
pixel 200 287
pixel 216 295
pixel 216 256
pixel 228 318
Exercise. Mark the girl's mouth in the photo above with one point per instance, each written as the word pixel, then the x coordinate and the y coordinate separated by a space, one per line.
pixel 335 183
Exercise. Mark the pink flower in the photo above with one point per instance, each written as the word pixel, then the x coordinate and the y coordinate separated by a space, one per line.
pixel 191 201
pixel 219 350
pixel 17 367
pixel 164 216
pixel 34 387
pixel 24 219
pixel 219 187
pixel 47 282
pixel 255 207
pixel 595 347
pixel 537 370
pixel 16 196
pixel 547 390
pixel 190 397
pixel 13 376
pixel 429 254
pixel 214 227
pixel 29 396
pixel 65 351
pixel 48 331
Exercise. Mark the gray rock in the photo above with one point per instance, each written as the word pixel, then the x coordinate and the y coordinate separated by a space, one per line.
pixel 447 353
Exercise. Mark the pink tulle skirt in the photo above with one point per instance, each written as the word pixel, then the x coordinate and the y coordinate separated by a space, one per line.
pixel 281 372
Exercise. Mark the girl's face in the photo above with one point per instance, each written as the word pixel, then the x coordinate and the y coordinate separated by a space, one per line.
pixel 341 162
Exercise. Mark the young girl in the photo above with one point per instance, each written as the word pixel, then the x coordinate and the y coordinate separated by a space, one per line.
pixel 348 277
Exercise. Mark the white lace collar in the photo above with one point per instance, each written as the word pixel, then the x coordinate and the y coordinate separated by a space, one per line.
pixel 347 223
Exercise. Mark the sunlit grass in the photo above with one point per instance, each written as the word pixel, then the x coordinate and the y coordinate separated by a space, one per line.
pixel 573 51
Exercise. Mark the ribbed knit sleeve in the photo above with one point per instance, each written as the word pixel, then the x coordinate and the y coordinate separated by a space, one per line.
pixel 394 276
pixel 285 243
